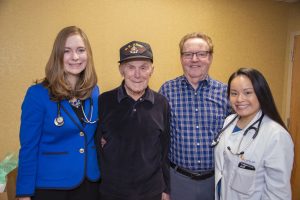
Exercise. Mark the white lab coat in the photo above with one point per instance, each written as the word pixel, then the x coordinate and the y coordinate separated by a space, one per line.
pixel 271 153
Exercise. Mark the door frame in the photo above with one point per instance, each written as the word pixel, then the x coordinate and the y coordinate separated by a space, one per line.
pixel 289 77
pixel 288 101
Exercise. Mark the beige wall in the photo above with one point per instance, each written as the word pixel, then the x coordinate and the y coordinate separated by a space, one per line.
pixel 245 33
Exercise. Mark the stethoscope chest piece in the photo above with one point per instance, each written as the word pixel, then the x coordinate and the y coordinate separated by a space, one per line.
pixel 59 121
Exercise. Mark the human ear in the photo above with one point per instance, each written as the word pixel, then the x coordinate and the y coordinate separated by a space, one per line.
pixel 152 69
pixel 121 70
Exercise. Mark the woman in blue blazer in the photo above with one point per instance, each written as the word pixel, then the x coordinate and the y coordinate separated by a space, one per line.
pixel 57 158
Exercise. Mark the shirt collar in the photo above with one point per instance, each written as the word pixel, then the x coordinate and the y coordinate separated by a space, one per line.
pixel 202 83
pixel 147 96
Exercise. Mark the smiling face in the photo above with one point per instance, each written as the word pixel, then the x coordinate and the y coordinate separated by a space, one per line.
pixel 243 98
pixel 136 75
pixel 196 67
pixel 75 57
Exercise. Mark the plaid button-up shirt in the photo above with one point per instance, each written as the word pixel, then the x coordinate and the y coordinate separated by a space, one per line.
pixel 196 118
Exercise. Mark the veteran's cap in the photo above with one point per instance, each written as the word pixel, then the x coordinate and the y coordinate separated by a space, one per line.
pixel 135 49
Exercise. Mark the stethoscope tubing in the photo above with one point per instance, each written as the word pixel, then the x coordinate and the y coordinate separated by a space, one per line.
pixel 216 140
pixel 59 120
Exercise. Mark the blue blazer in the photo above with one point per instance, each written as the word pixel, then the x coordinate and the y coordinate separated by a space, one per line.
pixel 53 157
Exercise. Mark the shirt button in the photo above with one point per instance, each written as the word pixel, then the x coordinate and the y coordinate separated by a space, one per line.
pixel 197 127
pixel 198 143
pixel 195 93
pixel 199 161
pixel 196 109
pixel 141 99
pixel 81 150
pixel 134 110
pixel 81 133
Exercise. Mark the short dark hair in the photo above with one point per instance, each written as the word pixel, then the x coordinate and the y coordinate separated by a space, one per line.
pixel 262 91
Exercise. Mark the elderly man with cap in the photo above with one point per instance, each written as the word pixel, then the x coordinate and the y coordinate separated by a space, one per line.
pixel 133 132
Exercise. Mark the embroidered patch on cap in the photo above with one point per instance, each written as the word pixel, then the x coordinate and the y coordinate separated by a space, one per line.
pixel 134 48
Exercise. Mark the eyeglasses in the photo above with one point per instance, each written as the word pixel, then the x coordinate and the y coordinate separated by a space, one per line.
pixel 199 54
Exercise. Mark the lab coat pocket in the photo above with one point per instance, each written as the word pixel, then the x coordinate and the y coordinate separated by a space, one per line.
pixel 243 180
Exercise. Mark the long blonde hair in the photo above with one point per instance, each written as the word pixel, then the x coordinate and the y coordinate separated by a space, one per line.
pixel 55 79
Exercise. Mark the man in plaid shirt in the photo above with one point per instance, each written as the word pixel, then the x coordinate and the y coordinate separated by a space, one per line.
pixel 198 108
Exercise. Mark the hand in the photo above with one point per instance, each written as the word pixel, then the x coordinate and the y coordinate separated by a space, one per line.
pixel 165 196
pixel 24 198
pixel 103 142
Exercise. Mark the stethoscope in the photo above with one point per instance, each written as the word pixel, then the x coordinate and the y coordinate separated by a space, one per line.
pixel 59 120
pixel 216 140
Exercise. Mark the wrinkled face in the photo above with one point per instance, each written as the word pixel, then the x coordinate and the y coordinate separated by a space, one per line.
pixel 136 75
pixel 195 59
pixel 75 56
pixel 243 98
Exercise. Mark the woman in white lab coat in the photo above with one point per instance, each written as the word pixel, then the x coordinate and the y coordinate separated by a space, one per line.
pixel 254 151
